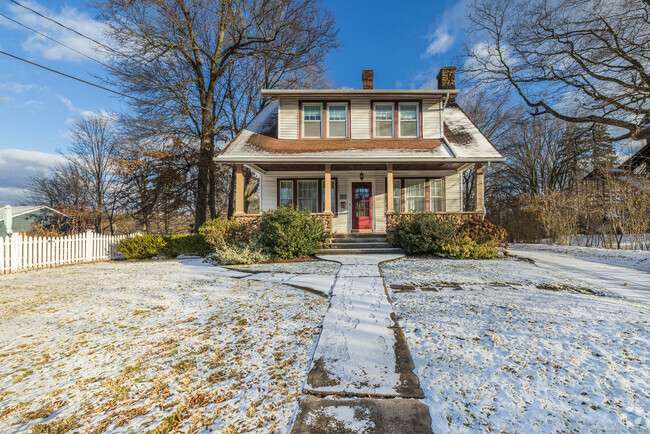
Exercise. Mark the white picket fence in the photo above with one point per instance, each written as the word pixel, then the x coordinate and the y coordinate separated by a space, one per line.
pixel 19 252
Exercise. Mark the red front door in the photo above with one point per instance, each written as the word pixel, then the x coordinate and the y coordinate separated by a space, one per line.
pixel 361 205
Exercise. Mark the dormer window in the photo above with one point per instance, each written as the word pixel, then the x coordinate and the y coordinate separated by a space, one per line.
pixel 312 125
pixel 337 126
pixel 383 120
pixel 408 120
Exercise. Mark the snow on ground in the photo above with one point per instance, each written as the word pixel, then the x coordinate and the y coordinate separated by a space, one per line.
pixel 523 359
pixel 326 268
pixel 133 346
pixel 639 259
pixel 423 272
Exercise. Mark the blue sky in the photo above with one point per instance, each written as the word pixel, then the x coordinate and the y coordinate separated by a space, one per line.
pixel 404 42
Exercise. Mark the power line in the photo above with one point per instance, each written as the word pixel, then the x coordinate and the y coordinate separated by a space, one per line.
pixel 63 25
pixel 54 40
pixel 72 77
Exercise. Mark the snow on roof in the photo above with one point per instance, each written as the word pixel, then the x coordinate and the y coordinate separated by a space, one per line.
pixel 258 143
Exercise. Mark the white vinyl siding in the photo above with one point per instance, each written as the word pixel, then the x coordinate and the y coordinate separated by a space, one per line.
pixel 414 195
pixel 360 118
pixel 431 119
pixel 288 118
pixel 384 120
pixel 409 124
pixel 436 195
pixel 453 193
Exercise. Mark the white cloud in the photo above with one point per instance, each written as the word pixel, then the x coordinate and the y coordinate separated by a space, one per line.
pixel 16 166
pixel 67 103
pixel 71 17
pixel 441 41
pixel 6 100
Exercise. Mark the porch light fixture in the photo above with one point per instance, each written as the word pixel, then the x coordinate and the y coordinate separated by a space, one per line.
pixel 361 176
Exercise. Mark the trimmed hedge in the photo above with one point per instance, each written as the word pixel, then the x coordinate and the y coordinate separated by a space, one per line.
pixel 149 246
pixel 220 232
pixel 425 233
pixel 289 233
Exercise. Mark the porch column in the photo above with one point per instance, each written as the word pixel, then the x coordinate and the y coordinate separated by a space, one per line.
pixel 478 186
pixel 328 189
pixel 239 189
pixel 389 189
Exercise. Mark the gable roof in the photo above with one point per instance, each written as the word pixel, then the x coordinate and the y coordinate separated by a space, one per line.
pixel 19 210
pixel 258 142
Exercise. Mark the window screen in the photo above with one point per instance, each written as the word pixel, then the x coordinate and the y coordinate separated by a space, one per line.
pixel 384 120
pixel 408 120
pixel 338 120
pixel 311 120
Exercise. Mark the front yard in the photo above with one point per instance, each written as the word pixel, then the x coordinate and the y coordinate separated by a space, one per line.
pixel 151 346
pixel 495 352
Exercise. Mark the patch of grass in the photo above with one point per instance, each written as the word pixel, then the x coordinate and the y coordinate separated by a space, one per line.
pixel 184 365
pixel 59 426
pixel 22 376
pixel 43 411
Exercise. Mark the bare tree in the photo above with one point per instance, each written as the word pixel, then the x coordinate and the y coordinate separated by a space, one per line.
pixel 581 61
pixel 91 153
pixel 175 53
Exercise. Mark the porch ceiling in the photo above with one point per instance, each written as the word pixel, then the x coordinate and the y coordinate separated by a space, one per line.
pixel 303 167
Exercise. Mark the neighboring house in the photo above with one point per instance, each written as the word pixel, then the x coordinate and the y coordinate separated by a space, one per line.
pixel 27 218
pixel 635 172
pixel 357 157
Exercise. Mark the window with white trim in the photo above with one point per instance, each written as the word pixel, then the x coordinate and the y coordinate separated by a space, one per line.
pixel 414 195
pixel 308 195
pixel 408 120
pixel 337 117
pixel 286 193
pixel 435 189
pixel 322 190
pixel 312 125
pixel 397 195
pixel 383 120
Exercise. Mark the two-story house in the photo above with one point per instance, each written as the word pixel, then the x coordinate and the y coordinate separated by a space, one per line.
pixel 357 156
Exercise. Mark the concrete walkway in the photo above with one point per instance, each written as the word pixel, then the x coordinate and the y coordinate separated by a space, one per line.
pixel 361 352
pixel 625 281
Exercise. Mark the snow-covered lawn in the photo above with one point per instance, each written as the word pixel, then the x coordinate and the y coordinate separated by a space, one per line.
pixel 151 345
pixel 520 358
pixel 639 259
pixel 327 268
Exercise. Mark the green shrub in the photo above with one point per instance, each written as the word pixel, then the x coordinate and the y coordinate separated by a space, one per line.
pixel 422 233
pixel 220 232
pixel 289 233
pixel 187 245
pixel 241 254
pixel 141 246
pixel 463 247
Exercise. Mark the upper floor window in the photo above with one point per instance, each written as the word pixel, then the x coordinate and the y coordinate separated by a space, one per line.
pixel 338 120
pixel 383 120
pixel 312 125
pixel 408 120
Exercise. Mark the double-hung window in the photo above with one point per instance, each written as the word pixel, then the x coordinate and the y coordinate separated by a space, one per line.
pixel 286 193
pixel 337 115
pixel 308 195
pixel 414 195
pixel 383 120
pixel 408 120
pixel 333 194
pixel 435 188
pixel 397 195
pixel 312 125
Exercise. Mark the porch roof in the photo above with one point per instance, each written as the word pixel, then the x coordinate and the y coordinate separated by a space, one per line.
pixel 258 143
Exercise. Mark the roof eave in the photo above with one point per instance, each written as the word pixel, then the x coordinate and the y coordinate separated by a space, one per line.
pixel 314 92
pixel 223 159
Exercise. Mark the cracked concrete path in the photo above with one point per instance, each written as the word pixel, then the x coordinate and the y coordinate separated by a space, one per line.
pixel 361 350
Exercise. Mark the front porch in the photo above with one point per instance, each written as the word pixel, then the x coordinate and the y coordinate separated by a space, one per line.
pixel 360 199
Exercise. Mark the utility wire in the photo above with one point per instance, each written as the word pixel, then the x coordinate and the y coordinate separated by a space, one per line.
pixel 54 40
pixel 63 25
pixel 72 77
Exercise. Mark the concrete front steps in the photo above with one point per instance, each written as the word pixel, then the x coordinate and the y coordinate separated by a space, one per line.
pixel 354 244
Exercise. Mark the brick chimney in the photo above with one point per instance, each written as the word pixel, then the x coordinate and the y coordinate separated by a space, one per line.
pixel 367 77
pixel 447 77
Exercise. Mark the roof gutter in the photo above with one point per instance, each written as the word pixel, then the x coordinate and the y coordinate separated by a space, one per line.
pixel 313 92
pixel 354 159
